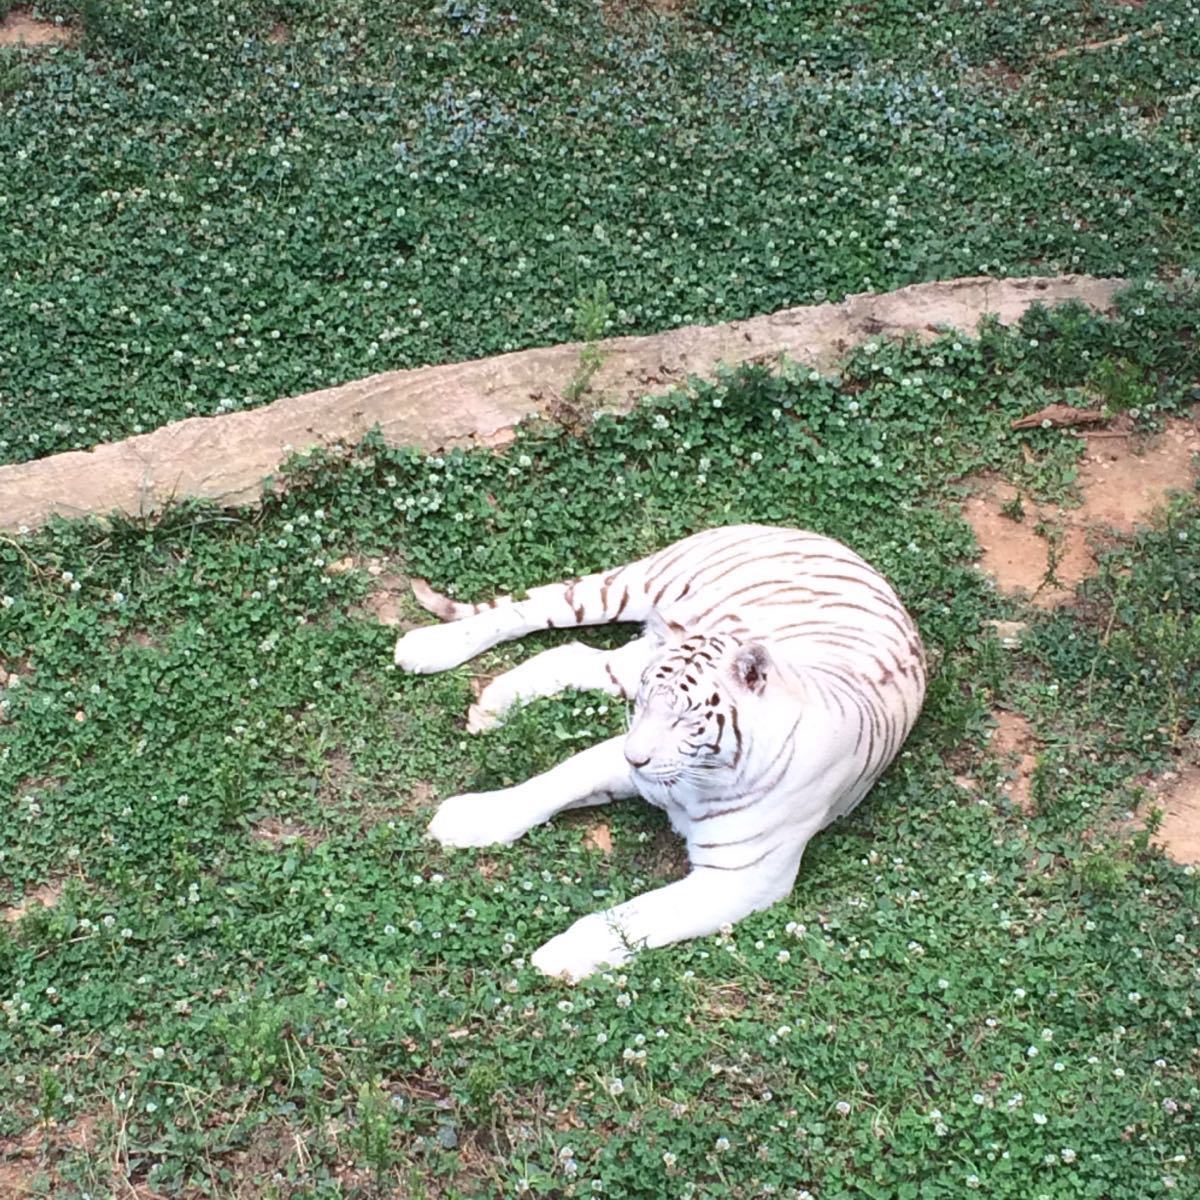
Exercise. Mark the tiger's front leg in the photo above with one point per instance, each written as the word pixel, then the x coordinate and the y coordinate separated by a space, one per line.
pixel 594 776
pixel 695 906
pixel 574 665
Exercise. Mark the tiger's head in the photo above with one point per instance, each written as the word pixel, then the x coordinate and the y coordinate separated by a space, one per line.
pixel 698 703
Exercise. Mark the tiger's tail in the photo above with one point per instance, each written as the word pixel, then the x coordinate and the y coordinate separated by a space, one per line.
pixel 614 595
pixel 621 594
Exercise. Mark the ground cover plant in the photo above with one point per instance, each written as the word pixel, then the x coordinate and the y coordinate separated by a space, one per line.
pixel 206 205
pixel 257 980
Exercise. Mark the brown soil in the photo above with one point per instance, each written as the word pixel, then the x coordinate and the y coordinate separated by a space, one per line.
pixel 1178 795
pixel 1122 480
pixel 22 1172
pixel 26 1168
pixel 20 29
pixel 1014 745
pixel 47 896
pixel 598 837
pixel 386 604
pixel 226 459
pixel 274 831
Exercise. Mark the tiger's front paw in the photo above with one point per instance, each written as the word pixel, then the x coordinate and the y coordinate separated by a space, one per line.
pixel 475 819
pixel 428 649
pixel 494 704
pixel 591 943
pixel 480 718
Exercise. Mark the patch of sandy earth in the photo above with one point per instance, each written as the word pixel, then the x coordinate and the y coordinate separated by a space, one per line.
pixel 386 603
pixel 22 1172
pixel 20 29
pixel 274 831
pixel 598 837
pixel 1122 480
pixel 24 1166
pixel 47 896
pixel 1177 793
pixel 1013 743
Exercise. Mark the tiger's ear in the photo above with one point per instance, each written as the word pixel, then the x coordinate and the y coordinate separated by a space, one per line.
pixel 751 667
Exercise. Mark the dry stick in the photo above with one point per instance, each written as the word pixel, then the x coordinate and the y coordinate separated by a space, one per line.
pixel 1091 47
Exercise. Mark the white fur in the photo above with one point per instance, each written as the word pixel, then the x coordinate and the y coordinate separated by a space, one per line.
pixel 748 802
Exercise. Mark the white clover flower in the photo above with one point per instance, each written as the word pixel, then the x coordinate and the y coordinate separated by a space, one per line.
pixel 615 1087
pixel 972 1181
pixel 669 1160
pixel 1067 1154
pixel 341 1002
pixel 842 1108
pixel 722 1144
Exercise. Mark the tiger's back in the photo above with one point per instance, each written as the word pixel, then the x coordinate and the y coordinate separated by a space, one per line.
pixel 828 619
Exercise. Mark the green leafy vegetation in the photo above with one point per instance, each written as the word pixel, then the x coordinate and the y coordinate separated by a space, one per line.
pixel 208 205
pixel 259 981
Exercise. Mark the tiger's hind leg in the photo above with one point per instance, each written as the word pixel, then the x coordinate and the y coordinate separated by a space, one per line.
pixel 594 776
pixel 470 629
pixel 617 672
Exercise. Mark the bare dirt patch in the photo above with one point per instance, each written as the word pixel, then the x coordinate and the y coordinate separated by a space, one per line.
pixel 27 1160
pixel 19 28
pixel 599 837
pixel 47 896
pixel 279 34
pixel 22 1169
pixel 1177 793
pixel 1013 743
pixel 275 831
pixel 386 604
pixel 1122 481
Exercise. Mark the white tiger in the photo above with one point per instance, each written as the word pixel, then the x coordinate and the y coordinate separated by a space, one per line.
pixel 776 677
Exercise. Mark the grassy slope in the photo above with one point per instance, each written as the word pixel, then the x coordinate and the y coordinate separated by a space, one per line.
pixel 954 993
pixel 194 218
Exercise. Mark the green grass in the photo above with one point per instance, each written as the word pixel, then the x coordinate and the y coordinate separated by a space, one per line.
pixel 196 219
pixel 956 993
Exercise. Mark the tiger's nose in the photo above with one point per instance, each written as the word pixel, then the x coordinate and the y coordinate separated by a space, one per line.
pixel 632 758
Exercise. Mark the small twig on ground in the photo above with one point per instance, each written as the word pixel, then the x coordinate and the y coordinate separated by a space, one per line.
pixel 1107 44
